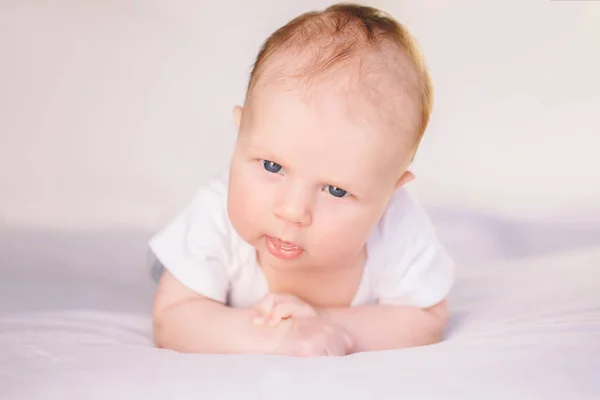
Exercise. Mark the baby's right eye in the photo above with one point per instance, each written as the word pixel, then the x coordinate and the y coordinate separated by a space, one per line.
pixel 271 166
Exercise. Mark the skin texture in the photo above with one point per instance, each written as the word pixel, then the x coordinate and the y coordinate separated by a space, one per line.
pixel 297 149
pixel 368 327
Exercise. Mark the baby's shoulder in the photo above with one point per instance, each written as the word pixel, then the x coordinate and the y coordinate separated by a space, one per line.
pixel 406 261
pixel 208 204
pixel 403 214
pixel 403 224
pixel 205 218
pixel 214 190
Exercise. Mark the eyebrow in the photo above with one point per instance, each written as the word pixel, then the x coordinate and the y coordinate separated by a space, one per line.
pixel 263 151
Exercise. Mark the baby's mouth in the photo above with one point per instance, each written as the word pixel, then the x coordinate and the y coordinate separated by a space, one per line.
pixel 285 244
pixel 282 249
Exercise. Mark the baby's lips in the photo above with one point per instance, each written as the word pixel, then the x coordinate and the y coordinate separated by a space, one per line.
pixel 285 244
pixel 282 249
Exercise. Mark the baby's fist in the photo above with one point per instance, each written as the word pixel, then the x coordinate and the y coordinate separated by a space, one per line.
pixel 274 307
pixel 313 337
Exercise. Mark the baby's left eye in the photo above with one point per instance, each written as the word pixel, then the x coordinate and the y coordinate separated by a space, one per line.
pixel 336 191
pixel 271 166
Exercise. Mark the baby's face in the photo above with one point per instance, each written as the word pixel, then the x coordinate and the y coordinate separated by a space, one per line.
pixel 310 178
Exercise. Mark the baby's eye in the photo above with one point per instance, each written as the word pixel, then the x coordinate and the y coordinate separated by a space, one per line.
pixel 271 166
pixel 336 191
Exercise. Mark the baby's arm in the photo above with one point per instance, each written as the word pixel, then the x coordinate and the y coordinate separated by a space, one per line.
pixel 188 322
pixel 385 327
pixel 375 327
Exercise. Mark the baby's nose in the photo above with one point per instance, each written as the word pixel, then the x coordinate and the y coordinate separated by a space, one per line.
pixel 295 207
pixel 294 215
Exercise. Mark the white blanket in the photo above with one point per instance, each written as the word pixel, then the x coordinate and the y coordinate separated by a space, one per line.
pixel 521 329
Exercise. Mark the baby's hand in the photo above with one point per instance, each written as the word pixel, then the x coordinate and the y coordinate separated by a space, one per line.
pixel 273 308
pixel 312 337
pixel 305 332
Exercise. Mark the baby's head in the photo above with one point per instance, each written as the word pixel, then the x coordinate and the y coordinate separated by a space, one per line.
pixel 337 103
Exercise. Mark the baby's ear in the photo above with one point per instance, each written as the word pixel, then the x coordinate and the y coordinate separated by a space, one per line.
pixel 406 177
pixel 237 116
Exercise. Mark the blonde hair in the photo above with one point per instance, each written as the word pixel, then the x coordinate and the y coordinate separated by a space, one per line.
pixel 351 28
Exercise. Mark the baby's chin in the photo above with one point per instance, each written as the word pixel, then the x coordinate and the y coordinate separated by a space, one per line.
pixel 304 263
pixel 266 259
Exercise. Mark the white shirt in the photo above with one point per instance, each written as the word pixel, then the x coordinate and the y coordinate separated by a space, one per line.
pixel 406 264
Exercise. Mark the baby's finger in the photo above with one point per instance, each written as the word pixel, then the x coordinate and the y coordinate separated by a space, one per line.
pixel 349 343
pixel 292 310
pixel 283 311
pixel 335 347
pixel 340 344
pixel 264 307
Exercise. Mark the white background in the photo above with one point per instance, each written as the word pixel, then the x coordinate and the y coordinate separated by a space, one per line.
pixel 112 113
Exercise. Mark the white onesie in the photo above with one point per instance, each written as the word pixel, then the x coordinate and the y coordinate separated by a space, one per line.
pixel 406 264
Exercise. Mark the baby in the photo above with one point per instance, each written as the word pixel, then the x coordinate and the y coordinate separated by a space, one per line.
pixel 308 244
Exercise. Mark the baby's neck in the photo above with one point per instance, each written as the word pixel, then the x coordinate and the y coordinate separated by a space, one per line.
pixel 320 286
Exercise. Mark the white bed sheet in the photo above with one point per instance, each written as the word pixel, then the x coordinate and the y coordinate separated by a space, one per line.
pixel 526 328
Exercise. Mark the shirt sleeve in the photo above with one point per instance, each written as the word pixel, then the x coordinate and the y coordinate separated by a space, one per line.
pixel 194 246
pixel 413 268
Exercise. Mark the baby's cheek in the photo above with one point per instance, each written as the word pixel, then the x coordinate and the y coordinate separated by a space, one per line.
pixel 337 240
pixel 249 209
pixel 239 211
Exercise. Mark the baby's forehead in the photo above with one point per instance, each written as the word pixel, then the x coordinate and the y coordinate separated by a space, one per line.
pixel 376 89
